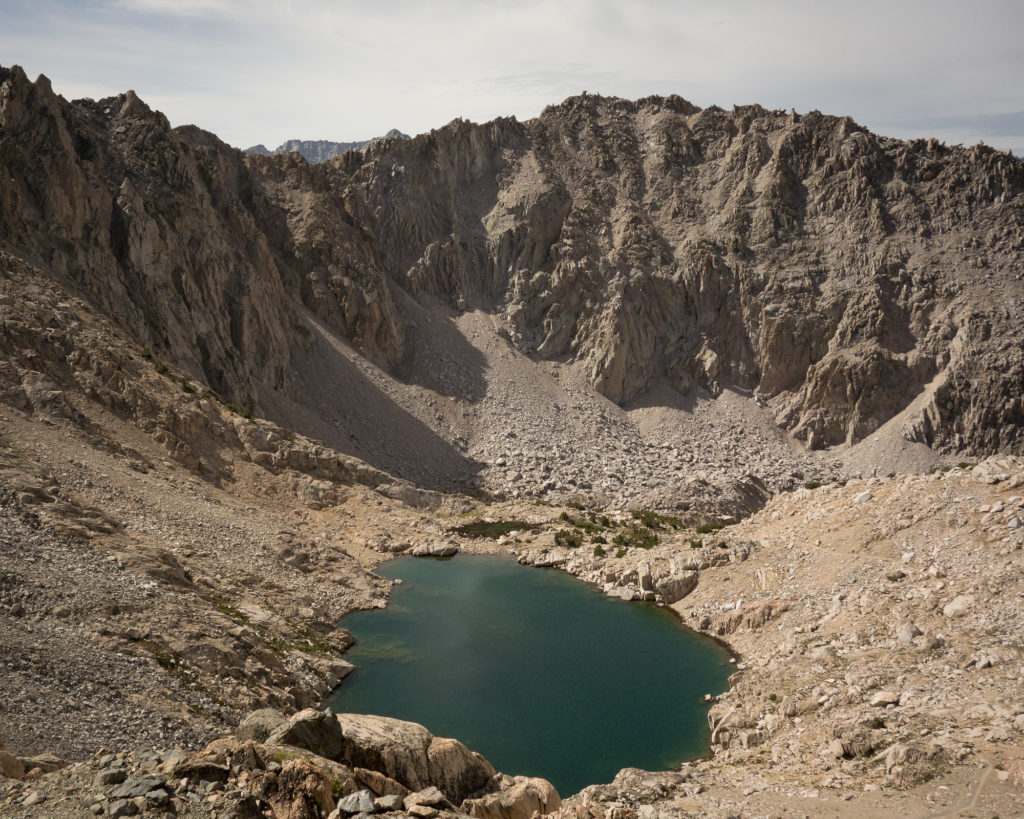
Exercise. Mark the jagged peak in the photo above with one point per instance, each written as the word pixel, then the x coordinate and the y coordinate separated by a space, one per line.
pixel 594 102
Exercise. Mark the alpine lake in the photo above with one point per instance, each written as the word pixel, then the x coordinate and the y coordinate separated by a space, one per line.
pixel 542 674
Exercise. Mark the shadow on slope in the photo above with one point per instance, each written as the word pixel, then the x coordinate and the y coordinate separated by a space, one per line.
pixel 440 357
pixel 328 397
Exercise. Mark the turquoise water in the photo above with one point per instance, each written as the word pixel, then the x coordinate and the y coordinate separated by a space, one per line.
pixel 537 671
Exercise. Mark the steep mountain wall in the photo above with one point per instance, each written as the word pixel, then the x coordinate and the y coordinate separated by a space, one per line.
pixel 835 273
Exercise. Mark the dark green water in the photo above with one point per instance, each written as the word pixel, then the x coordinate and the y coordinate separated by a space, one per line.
pixel 540 673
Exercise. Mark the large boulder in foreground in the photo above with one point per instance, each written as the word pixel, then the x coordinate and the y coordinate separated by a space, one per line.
pixel 311 730
pixel 525 797
pixel 408 753
pixel 405 752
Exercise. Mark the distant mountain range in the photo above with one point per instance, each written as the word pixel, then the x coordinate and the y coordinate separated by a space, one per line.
pixel 319 150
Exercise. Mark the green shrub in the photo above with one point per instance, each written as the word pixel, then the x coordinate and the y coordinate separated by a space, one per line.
pixel 186 386
pixel 697 544
pixel 634 535
pixel 599 551
pixel 160 367
pixel 654 520
pixel 568 538
pixel 598 539
pixel 620 553
pixel 708 528
pixel 811 484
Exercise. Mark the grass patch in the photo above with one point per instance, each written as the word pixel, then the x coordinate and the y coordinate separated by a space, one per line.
pixel 708 528
pixel 161 368
pixel 697 543
pixel 811 484
pixel 620 553
pixel 599 551
pixel 186 385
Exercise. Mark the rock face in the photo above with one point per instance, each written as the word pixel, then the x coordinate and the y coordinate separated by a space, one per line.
pixel 527 797
pixel 320 150
pixel 405 752
pixel 410 754
pixel 838 275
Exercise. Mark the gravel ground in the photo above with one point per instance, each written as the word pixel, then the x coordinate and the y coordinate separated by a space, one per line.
pixel 65 693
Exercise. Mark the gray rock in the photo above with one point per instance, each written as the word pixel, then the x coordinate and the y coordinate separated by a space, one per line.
pixel 907 632
pixel 358 802
pixel 259 725
pixel 122 807
pixel 959 606
pixel 133 787
pixel 113 776
pixel 311 730
pixel 390 802
pixel 158 797
pixel 884 698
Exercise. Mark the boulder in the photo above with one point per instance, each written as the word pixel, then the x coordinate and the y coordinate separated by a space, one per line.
pixel 676 587
pixel 314 731
pixel 455 769
pixel 10 766
pixel 528 796
pixel 259 725
pixel 907 632
pixel 959 606
pixel 380 784
pixel 303 792
pixel 435 548
pixel 884 698
pixel 409 754
pixel 429 797
pixel 388 802
pixel 358 802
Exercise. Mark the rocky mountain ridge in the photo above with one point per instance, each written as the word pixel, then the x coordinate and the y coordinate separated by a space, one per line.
pixel 320 150
pixel 835 275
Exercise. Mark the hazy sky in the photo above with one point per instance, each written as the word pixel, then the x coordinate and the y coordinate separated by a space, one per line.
pixel 270 70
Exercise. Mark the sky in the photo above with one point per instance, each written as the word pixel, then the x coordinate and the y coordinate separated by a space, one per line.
pixel 264 71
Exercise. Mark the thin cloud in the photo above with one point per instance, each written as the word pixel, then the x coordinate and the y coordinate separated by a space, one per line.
pixel 266 71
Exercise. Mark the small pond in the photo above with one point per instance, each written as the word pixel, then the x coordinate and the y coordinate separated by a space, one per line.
pixel 534 669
